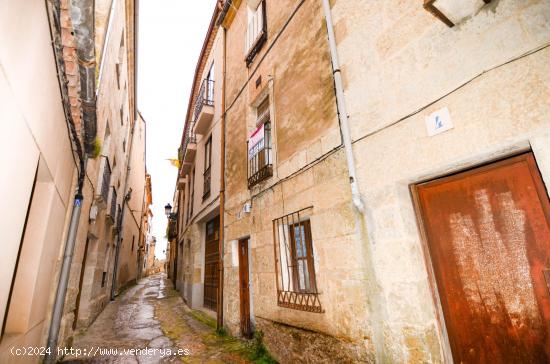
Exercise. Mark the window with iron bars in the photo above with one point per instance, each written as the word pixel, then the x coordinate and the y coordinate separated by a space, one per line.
pixel 260 156
pixel 294 263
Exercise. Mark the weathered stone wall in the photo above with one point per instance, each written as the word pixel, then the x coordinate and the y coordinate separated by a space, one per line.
pixel 309 170
pixel 338 255
pixel 414 65
pixel 113 96
pixel 297 76
pixel 291 345
pixel 399 64
pixel 35 150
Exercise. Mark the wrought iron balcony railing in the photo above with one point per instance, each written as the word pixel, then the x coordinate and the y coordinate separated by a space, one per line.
pixel 106 180
pixel 260 167
pixel 205 97
pixel 260 164
pixel 190 137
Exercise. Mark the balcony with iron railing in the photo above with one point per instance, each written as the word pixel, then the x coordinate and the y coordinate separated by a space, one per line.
pixel 105 181
pixel 204 107
pixel 260 164
pixel 190 145
pixel 188 151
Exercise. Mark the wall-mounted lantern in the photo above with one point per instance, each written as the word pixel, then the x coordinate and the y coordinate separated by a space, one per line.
pixel 452 12
pixel 168 210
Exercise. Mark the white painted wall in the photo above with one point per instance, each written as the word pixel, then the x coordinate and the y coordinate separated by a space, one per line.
pixel 33 127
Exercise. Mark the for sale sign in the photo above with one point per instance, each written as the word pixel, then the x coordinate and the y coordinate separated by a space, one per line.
pixel 256 142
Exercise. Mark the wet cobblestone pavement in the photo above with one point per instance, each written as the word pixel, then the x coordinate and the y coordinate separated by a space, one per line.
pixel 152 319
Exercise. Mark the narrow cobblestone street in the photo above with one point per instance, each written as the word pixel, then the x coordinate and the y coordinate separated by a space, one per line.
pixel 152 316
pixel 275 181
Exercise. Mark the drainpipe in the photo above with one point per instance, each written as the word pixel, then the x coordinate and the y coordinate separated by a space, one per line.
pixel 376 300
pixel 342 110
pixel 84 28
pixel 59 304
pixel 219 321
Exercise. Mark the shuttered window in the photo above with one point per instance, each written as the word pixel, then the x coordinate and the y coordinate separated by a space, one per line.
pixel 256 34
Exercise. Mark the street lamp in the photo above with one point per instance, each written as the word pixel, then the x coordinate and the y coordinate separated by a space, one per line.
pixel 168 210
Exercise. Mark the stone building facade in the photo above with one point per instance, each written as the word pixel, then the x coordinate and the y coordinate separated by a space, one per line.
pixel 487 79
pixel 195 247
pixel 119 169
pixel 286 174
pixel 86 113
pixel 336 238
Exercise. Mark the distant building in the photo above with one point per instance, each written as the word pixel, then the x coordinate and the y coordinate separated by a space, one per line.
pixel 148 240
pixel 150 256
pixel 194 245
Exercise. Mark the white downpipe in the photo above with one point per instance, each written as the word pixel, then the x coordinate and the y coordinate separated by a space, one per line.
pixel 342 110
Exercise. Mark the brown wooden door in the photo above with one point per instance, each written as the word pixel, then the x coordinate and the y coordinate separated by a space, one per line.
pixel 488 235
pixel 244 288
pixel 211 260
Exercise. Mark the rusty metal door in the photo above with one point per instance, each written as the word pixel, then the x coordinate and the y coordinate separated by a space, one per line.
pixel 487 232
pixel 211 259
pixel 244 288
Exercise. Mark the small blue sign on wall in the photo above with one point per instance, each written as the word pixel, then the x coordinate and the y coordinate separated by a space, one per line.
pixel 438 122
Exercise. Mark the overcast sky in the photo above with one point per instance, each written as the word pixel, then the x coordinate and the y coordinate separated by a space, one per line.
pixel 171 33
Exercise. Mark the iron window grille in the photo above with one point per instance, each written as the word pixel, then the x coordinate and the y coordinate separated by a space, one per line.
pixel 205 97
pixel 294 263
pixel 106 180
pixel 256 35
